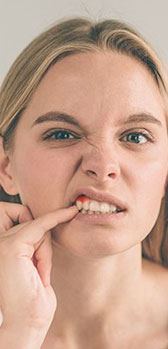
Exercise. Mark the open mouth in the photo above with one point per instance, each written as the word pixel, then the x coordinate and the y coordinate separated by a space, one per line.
pixel 86 205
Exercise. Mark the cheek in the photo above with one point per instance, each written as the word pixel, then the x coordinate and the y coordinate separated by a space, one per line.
pixel 150 184
pixel 43 180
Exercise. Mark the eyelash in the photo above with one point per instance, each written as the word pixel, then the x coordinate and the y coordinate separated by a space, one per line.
pixel 47 136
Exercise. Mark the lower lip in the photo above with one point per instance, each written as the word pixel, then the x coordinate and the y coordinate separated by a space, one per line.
pixel 100 218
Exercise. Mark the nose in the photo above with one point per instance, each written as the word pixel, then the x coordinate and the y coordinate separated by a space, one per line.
pixel 101 164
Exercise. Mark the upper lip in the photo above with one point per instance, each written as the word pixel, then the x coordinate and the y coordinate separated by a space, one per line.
pixel 99 196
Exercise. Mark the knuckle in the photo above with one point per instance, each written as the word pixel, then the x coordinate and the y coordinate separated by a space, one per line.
pixel 26 213
pixel 5 225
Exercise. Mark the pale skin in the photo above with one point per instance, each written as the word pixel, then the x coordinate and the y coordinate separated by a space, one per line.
pixel 107 294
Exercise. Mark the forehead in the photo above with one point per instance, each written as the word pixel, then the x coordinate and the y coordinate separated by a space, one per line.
pixel 98 81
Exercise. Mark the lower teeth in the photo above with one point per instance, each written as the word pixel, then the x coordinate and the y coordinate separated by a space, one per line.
pixel 95 212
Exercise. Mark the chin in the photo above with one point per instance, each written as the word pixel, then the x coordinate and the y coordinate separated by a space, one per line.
pixel 92 244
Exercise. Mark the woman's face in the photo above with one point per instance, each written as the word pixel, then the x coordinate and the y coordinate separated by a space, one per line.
pixel 101 91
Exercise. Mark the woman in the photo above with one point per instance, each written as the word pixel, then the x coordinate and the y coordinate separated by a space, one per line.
pixel 84 124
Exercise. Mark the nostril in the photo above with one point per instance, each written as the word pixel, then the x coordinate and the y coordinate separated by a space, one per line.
pixel 91 172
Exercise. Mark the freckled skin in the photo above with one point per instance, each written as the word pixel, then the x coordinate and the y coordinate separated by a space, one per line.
pixel 99 89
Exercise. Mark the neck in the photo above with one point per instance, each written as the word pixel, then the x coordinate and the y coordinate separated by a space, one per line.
pixel 95 293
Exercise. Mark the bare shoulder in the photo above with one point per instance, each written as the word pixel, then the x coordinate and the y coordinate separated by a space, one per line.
pixel 156 271
pixel 156 296
pixel 157 288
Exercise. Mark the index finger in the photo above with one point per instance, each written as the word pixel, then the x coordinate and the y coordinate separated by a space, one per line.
pixel 35 230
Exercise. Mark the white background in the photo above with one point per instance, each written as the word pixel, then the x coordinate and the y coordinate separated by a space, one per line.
pixel 22 20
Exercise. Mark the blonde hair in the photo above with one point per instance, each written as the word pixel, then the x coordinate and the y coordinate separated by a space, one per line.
pixel 67 37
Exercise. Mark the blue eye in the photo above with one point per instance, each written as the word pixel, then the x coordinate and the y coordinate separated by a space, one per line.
pixel 65 135
pixel 59 135
pixel 137 137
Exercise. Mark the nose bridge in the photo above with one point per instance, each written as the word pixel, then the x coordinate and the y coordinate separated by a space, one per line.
pixel 100 158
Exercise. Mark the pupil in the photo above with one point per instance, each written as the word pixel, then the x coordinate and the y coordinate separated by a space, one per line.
pixel 134 138
pixel 65 135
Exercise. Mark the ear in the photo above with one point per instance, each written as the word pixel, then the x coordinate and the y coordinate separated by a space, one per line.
pixel 6 178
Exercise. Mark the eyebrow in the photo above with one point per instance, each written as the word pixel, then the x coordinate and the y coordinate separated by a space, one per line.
pixel 64 117
pixel 56 116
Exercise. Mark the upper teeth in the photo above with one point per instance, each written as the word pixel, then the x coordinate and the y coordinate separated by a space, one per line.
pixel 93 205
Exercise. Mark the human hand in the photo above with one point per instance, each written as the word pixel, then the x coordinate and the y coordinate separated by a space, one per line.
pixel 26 295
